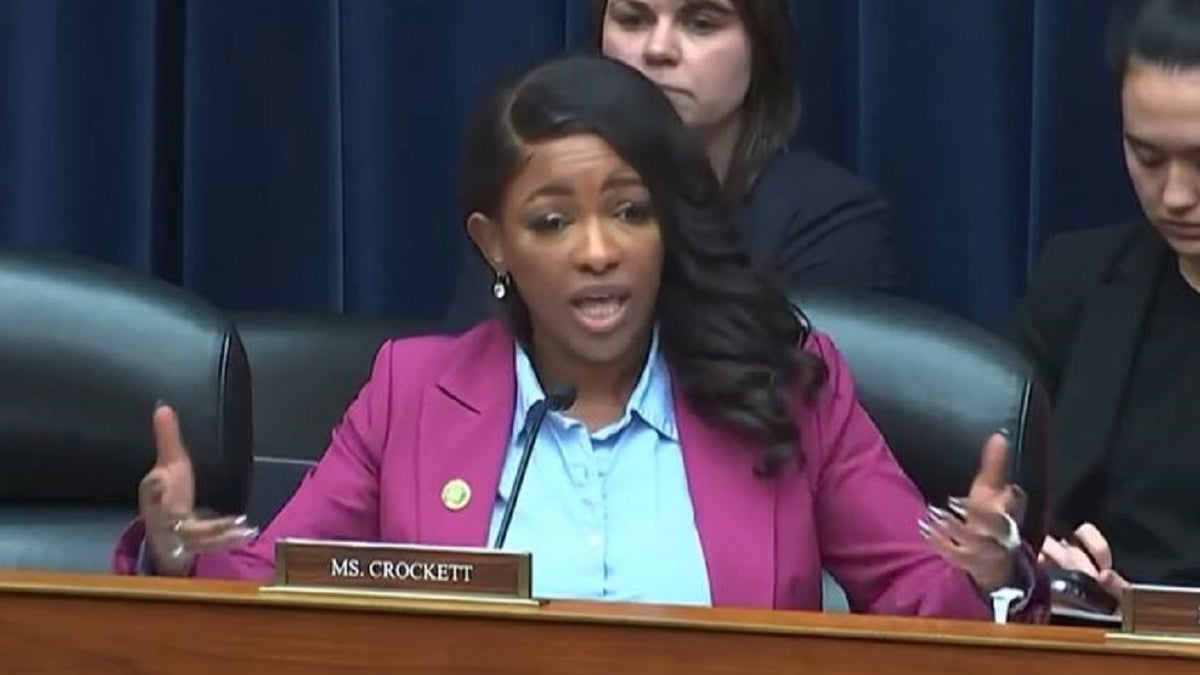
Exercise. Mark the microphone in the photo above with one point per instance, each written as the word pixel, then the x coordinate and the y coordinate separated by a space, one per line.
pixel 558 397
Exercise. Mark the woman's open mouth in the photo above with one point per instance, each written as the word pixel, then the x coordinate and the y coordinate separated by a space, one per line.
pixel 600 310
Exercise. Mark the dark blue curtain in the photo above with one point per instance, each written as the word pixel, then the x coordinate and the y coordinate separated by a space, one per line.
pixel 304 153
pixel 989 125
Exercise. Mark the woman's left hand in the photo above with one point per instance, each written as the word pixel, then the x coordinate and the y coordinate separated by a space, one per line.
pixel 979 533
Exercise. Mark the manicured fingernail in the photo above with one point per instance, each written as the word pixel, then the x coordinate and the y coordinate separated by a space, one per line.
pixel 248 532
pixel 1005 433
pixel 240 520
pixel 939 513
pixel 956 506
pixel 923 528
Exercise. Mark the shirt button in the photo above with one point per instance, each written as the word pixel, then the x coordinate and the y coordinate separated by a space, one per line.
pixel 594 540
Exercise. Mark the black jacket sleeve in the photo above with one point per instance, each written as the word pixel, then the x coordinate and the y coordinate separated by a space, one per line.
pixel 848 246
pixel 812 223
pixel 1043 323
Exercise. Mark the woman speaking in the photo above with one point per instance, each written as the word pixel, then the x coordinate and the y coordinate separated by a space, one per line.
pixel 706 448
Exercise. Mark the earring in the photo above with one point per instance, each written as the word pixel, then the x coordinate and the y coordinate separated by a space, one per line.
pixel 500 287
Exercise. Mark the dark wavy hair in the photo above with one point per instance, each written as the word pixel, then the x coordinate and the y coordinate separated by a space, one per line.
pixel 730 335
pixel 770 112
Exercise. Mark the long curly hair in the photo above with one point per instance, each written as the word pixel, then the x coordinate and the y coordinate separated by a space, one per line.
pixel 730 335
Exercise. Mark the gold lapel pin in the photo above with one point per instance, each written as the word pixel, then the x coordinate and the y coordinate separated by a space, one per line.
pixel 456 494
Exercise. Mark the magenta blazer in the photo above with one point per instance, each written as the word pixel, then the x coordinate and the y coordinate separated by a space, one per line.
pixel 440 408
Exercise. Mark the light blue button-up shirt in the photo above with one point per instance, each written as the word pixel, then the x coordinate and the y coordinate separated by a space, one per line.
pixel 606 515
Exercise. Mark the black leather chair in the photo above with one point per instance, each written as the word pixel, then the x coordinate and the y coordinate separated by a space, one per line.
pixel 85 350
pixel 938 386
pixel 306 369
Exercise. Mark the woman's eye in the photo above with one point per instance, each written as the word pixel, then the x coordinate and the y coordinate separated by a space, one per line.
pixel 633 212
pixel 1149 160
pixel 701 23
pixel 629 20
pixel 549 222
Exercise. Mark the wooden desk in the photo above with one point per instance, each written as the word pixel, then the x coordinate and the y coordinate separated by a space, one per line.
pixel 59 623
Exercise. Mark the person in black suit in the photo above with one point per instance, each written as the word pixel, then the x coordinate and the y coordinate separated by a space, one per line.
pixel 1112 322
pixel 726 66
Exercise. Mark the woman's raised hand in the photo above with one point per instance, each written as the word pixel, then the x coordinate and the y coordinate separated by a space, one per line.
pixel 175 531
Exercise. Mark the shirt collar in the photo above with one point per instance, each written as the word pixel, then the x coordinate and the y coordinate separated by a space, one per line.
pixel 651 400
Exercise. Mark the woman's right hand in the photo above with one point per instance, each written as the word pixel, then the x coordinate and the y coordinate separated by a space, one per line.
pixel 175 532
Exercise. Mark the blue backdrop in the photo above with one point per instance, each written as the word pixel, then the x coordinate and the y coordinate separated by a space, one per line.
pixel 303 153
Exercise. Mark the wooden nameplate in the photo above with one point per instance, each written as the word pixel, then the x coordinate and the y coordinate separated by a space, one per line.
pixel 1161 612
pixel 402 570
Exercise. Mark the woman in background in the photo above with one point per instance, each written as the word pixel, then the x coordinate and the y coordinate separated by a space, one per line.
pixel 714 452
pixel 726 66
pixel 1111 320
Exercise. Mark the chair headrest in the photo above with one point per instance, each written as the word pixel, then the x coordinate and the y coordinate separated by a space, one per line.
pixel 85 350
pixel 307 367
pixel 937 386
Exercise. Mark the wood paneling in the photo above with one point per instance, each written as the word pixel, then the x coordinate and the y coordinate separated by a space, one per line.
pixel 58 623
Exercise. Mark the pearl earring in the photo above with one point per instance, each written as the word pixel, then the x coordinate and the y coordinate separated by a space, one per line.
pixel 500 288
